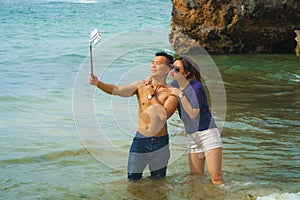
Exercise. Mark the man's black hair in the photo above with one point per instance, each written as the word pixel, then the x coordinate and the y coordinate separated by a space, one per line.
pixel 168 56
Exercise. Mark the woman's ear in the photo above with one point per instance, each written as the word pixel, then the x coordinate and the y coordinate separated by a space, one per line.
pixel 186 74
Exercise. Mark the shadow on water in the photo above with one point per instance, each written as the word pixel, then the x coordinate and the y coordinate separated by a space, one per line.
pixel 181 186
pixel 175 187
pixel 172 187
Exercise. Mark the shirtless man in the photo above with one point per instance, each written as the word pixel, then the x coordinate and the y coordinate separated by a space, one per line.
pixel 150 146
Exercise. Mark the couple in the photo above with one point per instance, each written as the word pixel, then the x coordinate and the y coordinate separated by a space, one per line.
pixel 157 102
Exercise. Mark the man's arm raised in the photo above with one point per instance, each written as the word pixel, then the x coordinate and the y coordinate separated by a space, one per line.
pixel 123 91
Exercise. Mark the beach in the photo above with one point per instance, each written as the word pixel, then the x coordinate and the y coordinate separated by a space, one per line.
pixel 62 139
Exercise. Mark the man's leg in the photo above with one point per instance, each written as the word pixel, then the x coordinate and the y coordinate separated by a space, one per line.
pixel 136 165
pixel 157 174
pixel 159 162
pixel 137 160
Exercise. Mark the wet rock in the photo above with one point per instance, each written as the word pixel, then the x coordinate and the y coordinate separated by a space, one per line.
pixel 235 26
pixel 297 49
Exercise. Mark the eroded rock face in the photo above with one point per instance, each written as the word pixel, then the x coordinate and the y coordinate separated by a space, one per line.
pixel 236 26
pixel 297 49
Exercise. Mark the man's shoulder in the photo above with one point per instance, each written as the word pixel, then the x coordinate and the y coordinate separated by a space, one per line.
pixel 138 83
pixel 140 86
pixel 172 98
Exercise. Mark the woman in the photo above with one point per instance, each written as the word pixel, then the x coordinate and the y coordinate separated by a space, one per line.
pixel 205 144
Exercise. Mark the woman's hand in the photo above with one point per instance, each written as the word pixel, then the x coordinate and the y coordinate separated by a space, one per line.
pixel 174 91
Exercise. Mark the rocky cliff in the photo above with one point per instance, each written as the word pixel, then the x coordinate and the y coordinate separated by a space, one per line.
pixel 235 26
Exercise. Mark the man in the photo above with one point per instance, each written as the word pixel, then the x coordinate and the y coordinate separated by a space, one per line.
pixel 150 146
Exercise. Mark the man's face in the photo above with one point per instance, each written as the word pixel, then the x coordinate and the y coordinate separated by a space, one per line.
pixel 159 66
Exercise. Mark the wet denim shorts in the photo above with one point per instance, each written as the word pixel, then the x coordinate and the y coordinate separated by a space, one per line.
pixel 152 151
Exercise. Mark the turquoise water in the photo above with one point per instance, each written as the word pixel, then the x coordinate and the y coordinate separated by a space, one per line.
pixel 45 153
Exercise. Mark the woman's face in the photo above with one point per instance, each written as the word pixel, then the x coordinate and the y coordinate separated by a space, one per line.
pixel 177 72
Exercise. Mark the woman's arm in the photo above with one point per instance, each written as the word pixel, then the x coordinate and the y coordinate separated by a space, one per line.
pixel 192 112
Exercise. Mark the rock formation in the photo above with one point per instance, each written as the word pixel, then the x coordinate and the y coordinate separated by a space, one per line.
pixel 235 26
pixel 297 49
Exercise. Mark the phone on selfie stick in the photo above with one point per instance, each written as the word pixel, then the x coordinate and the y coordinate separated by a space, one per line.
pixel 95 38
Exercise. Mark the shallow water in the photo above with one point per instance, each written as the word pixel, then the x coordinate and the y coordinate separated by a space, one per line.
pixel 261 131
pixel 45 155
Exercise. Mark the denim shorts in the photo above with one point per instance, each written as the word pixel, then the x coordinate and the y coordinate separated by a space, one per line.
pixel 151 151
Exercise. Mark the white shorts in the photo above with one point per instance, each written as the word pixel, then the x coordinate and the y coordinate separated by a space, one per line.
pixel 202 141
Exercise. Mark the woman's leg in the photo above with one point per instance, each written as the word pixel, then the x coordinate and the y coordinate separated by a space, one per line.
pixel 196 162
pixel 214 165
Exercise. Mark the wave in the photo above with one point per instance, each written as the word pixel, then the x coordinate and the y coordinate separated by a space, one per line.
pixel 73 56
pixel 59 155
pixel 8 98
pixel 286 196
pixel 25 98
pixel 295 78
pixel 85 1
pixel 76 1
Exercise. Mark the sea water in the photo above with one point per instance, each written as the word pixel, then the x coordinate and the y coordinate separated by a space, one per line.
pixel 62 139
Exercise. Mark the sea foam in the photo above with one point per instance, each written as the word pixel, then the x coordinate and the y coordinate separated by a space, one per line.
pixel 283 196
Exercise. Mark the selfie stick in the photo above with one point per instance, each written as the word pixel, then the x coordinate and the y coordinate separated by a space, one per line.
pixel 95 38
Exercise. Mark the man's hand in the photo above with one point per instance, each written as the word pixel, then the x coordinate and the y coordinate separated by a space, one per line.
pixel 93 80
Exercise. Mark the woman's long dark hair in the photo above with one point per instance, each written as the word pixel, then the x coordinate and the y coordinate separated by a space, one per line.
pixel 190 66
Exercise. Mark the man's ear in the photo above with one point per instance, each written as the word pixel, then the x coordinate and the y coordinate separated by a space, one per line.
pixel 167 71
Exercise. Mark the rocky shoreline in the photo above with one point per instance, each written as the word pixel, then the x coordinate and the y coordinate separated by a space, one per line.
pixel 236 26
